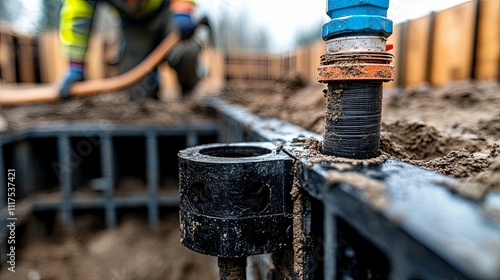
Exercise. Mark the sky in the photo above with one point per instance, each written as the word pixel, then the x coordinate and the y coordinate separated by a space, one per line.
pixel 282 19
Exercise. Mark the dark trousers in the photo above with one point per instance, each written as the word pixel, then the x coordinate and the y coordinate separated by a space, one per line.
pixel 141 37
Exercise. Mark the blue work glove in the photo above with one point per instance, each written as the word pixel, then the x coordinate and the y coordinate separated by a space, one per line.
pixel 184 24
pixel 75 74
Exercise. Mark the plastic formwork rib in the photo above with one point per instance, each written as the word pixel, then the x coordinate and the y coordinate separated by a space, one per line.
pixel 55 163
pixel 424 231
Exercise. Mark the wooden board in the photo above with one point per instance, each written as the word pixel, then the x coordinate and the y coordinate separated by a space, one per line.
pixel 394 39
pixel 7 58
pixel 53 63
pixel 275 71
pixel 26 59
pixel 317 49
pixel 416 51
pixel 95 58
pixel 453 44
pixel 488 45
pixel 303 60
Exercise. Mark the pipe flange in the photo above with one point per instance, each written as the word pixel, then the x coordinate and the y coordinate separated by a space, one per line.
pixel 350 71
pixel 235 199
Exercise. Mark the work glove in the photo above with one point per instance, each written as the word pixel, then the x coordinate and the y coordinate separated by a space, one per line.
pixel 75 74
pixel 184 24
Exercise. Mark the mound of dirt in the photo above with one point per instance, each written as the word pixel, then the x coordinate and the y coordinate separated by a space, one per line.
pixel 420 141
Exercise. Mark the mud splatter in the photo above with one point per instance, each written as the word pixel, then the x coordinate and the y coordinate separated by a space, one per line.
pixel 299 238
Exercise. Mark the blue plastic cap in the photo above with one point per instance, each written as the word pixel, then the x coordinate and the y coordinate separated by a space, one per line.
pixel 357 25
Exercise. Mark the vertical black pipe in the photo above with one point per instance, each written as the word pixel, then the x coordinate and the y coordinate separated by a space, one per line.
pixel 153 177
pixel 352 119
pixel 108 173
pixel 65 181
pixel 36 60
pixel 15 43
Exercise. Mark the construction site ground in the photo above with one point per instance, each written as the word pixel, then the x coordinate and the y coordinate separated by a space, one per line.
pixel 454 130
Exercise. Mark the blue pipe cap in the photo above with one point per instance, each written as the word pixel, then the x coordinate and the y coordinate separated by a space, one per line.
pixel 357 25
pixel 342 8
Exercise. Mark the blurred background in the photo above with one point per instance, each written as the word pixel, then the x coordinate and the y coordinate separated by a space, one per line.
pixel 271 26
pixel 435 42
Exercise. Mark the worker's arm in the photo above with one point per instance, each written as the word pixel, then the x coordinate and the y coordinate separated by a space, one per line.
pixel 182 11
pixel 75 26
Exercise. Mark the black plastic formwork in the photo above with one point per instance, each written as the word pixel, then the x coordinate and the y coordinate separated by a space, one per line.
pixel 103 166
pixel 424 231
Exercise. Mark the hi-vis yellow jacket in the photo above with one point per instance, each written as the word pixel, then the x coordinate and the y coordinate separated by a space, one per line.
pixel 77 16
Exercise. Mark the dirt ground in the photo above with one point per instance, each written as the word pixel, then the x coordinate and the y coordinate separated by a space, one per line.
pixel 113 107
pixel 454 130
pixel 130 251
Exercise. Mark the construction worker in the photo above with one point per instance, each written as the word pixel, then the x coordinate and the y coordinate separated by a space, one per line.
pixel 144 24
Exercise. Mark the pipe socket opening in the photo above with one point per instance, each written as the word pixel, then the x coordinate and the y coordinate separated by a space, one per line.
pixel 235 151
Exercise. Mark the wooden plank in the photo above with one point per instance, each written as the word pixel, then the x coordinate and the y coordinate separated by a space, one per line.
pixel 488 45
pixel 212 61
pixel 416 51
pixel 94 64
pixel 53 63
pixel 275 65
pixel 317 49
pixel 303 61
pixel 394 39
pixel 7 57
pixel 169 85
pixel 453 44
pixel 26 60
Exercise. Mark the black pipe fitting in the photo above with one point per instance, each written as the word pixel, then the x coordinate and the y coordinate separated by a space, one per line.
pixel 235 199
pixel 352 119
